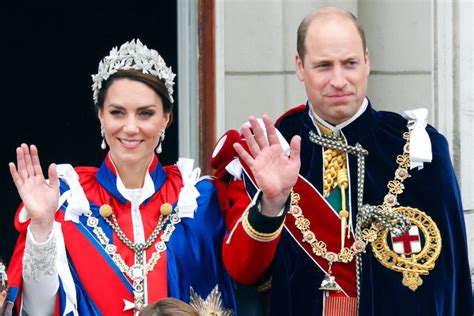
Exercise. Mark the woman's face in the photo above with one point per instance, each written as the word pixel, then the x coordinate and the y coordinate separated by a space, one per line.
pixel 132 118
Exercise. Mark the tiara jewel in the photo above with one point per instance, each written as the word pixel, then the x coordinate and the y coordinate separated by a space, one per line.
pixel 133 55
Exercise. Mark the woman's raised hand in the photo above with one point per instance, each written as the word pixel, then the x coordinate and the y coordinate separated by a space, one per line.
pixel 39 197
pixel 274 171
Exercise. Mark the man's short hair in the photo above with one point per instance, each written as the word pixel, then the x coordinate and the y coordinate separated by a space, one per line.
pixel 306 22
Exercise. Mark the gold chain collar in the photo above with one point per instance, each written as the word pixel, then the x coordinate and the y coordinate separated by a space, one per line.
pixel 319 247
pixel 137 272
pixel 412 264
pixel 410 267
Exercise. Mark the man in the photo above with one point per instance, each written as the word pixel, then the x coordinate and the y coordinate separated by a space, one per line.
pixel 373 224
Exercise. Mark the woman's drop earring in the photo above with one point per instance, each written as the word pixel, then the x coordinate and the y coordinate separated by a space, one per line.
pixel 159 149
pixel 103 145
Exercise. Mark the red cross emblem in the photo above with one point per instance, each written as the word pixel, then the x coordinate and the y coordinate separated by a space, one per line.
pixel 408 243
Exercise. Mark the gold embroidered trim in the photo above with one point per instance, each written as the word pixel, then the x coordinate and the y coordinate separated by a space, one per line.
pixel 334 163
pixel 258 235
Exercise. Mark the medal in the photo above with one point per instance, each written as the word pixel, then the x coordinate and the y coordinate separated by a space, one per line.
pixel 329 281
pixel 407 252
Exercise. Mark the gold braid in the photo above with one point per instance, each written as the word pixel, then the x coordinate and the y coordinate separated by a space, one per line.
pixel 335 174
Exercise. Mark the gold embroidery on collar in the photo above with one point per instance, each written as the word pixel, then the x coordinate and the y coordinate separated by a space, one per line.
pixel 336 175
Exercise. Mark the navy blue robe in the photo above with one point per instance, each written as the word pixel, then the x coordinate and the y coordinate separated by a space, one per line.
pixel 433 190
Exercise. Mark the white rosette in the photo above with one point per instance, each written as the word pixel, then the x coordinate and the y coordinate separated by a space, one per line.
pixel 187 201
pixel 420 144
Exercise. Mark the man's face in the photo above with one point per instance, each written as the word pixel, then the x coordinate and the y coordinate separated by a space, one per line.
pixel 335 69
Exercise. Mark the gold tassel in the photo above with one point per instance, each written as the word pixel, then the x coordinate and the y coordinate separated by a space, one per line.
pixel 342 182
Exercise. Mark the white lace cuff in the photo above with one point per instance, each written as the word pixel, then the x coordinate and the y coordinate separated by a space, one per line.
pixel 39 259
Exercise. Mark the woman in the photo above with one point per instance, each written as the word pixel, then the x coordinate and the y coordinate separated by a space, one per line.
pixel 3 284
pixel 113 239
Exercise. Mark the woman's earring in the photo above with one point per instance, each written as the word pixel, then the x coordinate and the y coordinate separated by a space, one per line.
pixel 103 145
pixel 159 149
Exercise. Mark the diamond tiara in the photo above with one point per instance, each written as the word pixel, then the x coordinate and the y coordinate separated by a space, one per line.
pixel 133 55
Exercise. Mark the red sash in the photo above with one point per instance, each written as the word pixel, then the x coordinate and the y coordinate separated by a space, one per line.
pixel 325 224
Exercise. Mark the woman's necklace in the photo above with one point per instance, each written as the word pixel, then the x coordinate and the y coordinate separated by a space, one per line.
pixel 137 272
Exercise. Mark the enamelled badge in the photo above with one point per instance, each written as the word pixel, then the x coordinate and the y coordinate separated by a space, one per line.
pixel 403 239
pixel 413 250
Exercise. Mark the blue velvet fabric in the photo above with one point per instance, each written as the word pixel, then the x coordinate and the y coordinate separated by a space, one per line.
pixel 434 190
pixel 197 242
